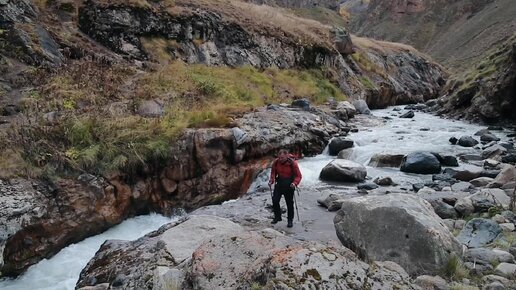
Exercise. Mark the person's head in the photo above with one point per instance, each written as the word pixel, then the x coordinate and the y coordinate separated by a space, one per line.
pixel 283 155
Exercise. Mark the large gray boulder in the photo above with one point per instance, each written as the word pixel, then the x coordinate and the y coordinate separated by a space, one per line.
pixel 479 232
pixel 467 141
pixel 487 256
pixel 397 227
pixel 270 260
pixel 421 163
pixel 339 143
pixel 489 197
pixel 342 170
pixel 347 107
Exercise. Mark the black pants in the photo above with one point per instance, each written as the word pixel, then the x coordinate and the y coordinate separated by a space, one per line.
pixel 288 192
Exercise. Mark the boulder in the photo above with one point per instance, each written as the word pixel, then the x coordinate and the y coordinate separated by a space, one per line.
pixel 507 175
pixel 487 256
pixel 421 163
pixel 465 173
pixel 347 107
pixel 488 137
pixel 386 160
pixel 494 152
pixel 345 154
pixel 479 232
pixel 328 200
pixel 408 115
pixel 461 186
pixel 464 206
pixel 339 143
pixel 453 140
pixel 431 282
pixel 489 197
pixel 362 107
pixel 467 141
pixel 507 227
pixel 482 132
pixel 403 222
pixel 481 181
pixel 444 210
pixel 509 158
pixel 448 160
pixel 506 270
pixel 342 170
pixel 270 260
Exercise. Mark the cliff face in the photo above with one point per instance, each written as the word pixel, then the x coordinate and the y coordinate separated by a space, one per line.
pixel 331 4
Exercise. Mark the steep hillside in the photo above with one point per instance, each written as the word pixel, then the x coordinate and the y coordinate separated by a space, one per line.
pixel 486 92
pixel 455 33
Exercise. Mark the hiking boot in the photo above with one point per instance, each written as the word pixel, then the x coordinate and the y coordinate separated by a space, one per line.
pixel 289 224
pixel 275 221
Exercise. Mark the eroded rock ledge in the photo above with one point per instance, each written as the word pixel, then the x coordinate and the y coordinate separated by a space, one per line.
pixel 207 166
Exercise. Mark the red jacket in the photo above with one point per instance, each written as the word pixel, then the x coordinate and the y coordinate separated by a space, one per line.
pixel 287 169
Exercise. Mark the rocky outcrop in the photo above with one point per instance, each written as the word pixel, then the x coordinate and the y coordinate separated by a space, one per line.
pixel 396 227
pixel 259 259
pixel 381 73
pixel 207 166
pixel 486 91
pixel 420 162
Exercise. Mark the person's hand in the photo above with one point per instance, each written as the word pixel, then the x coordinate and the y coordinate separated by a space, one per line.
pixel 271 183
pixel 292 185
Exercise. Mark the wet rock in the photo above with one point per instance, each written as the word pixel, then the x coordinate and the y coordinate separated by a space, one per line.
pixel 510 158
pixel 343 171
pixel 339 143
pixel 488 137
pixel 386 160
pixel 448 160
pixel 417 186
pixel 453 140
pixel 487 256
pixel 384 181
pixel 367 186
pixel 479 232
pixel 467 141
pixel 493 173
pixel 482 132
pixel 506 145
pixel 421 163
pixel 491 163
pixel 301 103
pixel 403 221
pixel 481 181
pixel 345 154
pixel 417 107
pixel 466 173
pixel 362 107
pixel 431 282
pixel 470 157
pixel 408 115
pixel 506 270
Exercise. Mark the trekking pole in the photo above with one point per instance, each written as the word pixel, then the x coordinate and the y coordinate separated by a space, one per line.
pixel 295 202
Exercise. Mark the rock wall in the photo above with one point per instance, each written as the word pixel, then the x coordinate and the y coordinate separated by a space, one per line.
pixel 207 166
pixel 332 4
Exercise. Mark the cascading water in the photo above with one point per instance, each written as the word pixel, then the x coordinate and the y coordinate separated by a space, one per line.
pixel 397 135
pixel 62 271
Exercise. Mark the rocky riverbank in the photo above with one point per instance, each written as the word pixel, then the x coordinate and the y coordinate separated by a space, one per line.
pixel 450 229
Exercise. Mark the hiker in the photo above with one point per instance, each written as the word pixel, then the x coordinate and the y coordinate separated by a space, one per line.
pixel 286 176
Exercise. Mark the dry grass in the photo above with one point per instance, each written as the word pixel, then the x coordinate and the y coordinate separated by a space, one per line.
pixel 383 47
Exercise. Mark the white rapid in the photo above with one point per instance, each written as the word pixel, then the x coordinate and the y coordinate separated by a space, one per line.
pixel 62 271
pixel 424 132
